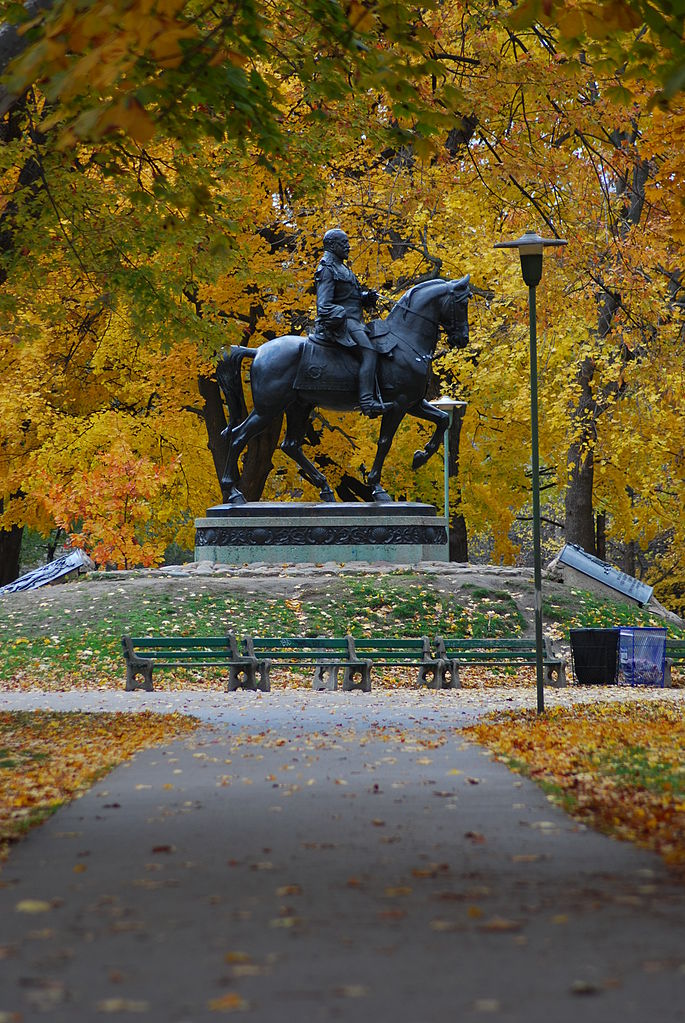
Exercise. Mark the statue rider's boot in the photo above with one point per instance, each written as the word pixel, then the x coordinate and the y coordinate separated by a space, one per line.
pixel 368 403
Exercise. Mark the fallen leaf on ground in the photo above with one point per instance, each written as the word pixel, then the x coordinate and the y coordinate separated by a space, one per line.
pixel 33 906
pixel 475 837
pixel 230 1002
pixel 584 987
pixel 486 1005
pixel 499 924
pixel 122 1005
pixel 443 925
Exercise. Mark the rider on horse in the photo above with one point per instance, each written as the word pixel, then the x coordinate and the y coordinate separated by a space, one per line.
pixel 340 301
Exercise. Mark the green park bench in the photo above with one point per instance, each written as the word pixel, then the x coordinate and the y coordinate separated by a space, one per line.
pixel 355 657
pixel 459 653
pixel 326 656
pixel 386 652
pixel 145 653
pixel 675 654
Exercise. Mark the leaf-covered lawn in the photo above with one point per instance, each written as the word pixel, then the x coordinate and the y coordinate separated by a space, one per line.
pixel 70 637
pixel 79 647
pixel 619 768
pixel 48 758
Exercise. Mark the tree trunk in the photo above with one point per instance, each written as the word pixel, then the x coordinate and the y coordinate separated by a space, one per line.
pixel 257 463
pixel 580 525
pixel 580 521
pixel 459 543
pixel 12 43
pixel 215 421
pixel 10 553
pixel 601 536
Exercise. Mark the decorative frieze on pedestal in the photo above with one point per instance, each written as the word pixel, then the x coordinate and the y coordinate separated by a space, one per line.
pixel 400 532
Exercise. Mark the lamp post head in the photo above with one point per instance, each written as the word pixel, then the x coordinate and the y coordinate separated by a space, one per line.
pixel 531 247
pixel 446 403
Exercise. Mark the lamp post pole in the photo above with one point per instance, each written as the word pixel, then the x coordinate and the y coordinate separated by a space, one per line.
pixel 531 246
pixel 535 469
pixel 447 405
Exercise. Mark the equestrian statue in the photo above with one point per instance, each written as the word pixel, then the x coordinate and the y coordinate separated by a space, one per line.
pixel 381 369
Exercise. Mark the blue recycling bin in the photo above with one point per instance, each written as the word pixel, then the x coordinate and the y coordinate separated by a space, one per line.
pixel 642 656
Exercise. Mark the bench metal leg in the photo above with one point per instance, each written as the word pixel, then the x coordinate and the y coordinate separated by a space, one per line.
pixel 556 674
pixel 449 675
pixel 250 674
pixel 264 682
pixel 132 671
pixel 430 675
pixel 364 673
pixel 241 676
pixel 326 677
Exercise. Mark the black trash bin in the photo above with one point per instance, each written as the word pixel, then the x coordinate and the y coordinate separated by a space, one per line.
pixel 594 653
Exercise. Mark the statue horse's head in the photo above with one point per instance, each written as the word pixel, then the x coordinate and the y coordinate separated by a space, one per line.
pixel 454 312
pixel 438 303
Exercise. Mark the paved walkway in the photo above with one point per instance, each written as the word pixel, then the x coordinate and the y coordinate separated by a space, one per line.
pixel 330 857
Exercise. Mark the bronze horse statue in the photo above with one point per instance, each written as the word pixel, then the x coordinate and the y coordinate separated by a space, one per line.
pixel 293 375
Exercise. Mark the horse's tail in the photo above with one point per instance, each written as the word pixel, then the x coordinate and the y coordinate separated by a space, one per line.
pixel 230 380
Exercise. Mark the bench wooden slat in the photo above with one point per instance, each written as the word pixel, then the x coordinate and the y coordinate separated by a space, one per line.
pixel 469 643
pixel 297 657
pixel 298 642
pixel 294 655
pixel 389 644
pixel 183 655
pixel 182 642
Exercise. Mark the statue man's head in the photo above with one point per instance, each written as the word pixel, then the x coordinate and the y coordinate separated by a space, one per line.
pixel 337 242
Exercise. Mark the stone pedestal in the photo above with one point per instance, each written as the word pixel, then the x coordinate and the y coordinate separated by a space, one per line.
pixel 279 533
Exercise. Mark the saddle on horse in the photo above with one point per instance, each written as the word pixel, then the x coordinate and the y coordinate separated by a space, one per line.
pixel 327 366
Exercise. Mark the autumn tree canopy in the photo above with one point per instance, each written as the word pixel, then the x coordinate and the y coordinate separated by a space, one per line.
pixel 167 174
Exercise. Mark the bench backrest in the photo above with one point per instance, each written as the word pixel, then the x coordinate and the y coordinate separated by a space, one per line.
pixel 293 648
pixel 177 648
pixel 477 649
pixel 388 647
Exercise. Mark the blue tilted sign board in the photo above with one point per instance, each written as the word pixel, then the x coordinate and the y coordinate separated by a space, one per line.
pixel 578 559
pixel 50 573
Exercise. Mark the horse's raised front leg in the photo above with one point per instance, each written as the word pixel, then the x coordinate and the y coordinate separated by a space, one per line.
pixel 240 437
pixel 389 423
pixel 424 410
pixel 297 417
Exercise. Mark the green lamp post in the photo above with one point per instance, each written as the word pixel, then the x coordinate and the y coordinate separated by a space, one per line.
pixel 531 247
